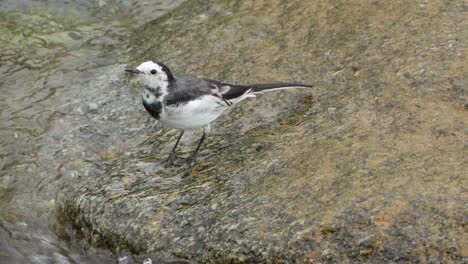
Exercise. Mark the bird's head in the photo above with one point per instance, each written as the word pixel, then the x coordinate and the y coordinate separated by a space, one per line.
pixel 155 74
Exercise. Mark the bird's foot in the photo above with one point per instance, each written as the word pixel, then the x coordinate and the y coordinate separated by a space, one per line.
pixel 170 160
pixel 189 161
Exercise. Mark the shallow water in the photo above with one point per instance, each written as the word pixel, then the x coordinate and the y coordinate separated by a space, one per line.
pixel 50 50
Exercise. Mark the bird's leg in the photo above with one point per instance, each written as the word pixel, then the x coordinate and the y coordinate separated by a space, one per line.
pixel 194 155
pixel 206 131
pixel 172 154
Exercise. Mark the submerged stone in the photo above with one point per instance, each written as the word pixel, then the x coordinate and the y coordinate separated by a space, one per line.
pixel 367 166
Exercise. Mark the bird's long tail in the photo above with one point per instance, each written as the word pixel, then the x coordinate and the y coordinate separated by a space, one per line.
pixel 276 86
pixel 236 93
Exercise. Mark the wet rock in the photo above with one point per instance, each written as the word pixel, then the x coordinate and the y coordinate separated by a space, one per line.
pixel 368 166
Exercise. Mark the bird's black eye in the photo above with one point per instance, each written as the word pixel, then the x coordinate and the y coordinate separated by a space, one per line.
pixel 153 72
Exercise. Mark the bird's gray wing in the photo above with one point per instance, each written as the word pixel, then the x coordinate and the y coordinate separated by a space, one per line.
pixel 187 88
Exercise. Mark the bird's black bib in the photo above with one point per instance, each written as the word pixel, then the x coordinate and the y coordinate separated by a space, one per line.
pixel 154 108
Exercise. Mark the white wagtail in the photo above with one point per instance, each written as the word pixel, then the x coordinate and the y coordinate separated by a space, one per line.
pixel 186 102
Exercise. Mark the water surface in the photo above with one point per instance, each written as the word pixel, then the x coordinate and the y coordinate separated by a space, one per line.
pixel 52 51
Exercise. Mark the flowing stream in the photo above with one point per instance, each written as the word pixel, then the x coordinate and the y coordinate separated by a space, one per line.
pixel 50 50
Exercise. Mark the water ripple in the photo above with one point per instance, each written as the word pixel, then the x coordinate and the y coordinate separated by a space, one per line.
pixel 52 53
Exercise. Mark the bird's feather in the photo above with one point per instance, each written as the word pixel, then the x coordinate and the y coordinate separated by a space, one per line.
pixel 236 91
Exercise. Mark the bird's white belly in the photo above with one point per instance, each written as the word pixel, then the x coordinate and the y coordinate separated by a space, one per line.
pixel 194 114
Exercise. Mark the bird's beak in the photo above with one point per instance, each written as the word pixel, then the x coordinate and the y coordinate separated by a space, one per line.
pixel 133 71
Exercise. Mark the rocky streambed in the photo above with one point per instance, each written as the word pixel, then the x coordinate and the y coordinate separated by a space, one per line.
pixel 367 166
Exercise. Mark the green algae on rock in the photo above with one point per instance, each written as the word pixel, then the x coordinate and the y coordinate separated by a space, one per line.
pixel 368 166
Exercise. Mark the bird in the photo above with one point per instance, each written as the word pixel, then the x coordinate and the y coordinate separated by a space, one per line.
pixel 187 103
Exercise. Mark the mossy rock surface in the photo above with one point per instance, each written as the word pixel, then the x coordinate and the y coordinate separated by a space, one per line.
pixel 367 166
